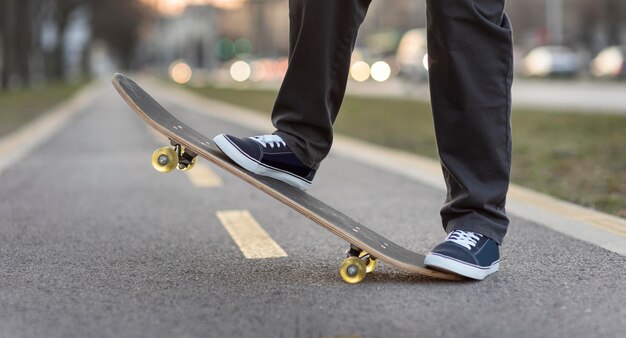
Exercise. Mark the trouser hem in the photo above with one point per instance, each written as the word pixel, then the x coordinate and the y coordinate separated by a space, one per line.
pixel 482 227
pixel 300 154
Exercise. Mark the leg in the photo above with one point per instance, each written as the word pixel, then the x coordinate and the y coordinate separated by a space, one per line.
pixel 470 51
pixel 471 63
pixel 322 37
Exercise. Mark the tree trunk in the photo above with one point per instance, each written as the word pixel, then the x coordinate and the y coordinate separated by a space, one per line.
pixel 613 22
pixel 58 54
pixel 6 28
pixel 23 40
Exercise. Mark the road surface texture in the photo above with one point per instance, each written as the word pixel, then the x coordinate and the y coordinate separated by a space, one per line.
pixel 95 243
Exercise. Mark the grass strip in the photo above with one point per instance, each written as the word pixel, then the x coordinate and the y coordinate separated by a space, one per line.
pixel 575 157
pixel 19 107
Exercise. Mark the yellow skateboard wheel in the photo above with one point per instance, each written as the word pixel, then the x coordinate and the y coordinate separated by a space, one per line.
pixel 352 270
pixel 370 263
pixel 164 159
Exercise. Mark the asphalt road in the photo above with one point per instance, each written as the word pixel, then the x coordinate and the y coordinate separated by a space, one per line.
pixel 95 243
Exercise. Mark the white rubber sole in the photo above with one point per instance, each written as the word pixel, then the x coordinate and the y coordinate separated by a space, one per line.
pixel 242 159
pixel 459 267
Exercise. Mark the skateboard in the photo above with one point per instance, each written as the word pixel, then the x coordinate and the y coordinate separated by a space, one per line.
pixel 366 246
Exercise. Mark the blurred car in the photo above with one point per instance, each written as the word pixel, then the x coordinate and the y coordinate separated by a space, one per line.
pixel 412 55
pixel 610 63
pixel 551 61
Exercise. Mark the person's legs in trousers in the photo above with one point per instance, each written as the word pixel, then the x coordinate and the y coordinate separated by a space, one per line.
pixel 471 64
pixel 322 35
pixel 470 49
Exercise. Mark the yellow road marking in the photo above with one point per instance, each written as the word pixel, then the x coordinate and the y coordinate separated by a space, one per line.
pixel 201 176
pixel 252 240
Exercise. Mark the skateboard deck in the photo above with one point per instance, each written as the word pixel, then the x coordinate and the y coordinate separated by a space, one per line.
pixel 366 246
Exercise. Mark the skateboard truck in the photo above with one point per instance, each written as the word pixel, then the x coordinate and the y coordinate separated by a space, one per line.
pixel 165 159
pixel 356 265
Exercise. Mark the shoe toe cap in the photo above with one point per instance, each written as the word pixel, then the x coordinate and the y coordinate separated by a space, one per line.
pixel 454 251
pixel 249 147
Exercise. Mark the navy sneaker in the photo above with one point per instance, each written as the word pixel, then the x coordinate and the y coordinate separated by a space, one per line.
pixel 467 254
pixel 267 155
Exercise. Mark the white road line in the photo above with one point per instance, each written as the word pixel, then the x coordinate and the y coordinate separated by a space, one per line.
pixel 18 144
pixel 201 176
pixel 248 234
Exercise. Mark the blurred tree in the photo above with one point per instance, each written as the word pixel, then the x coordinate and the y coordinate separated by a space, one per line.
pixel 118 23
pixel 6 41
pixel 4 55
pixel 615 19
pixel 23 40
pixel 61 17
pixel 20 30
pixel 34 32
pixel 16 40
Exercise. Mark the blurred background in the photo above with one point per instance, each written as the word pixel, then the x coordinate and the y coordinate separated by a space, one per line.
pixel 569 98
pixel 52 40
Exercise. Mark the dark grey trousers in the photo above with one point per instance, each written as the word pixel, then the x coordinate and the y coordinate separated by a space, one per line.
pixel 471 64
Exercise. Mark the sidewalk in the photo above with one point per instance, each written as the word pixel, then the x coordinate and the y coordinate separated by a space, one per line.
pixel 583 97
pixel 570 96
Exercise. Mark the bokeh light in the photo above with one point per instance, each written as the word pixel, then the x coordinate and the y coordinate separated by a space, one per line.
pixel 180 72
pixel 225 49
pixel 608 63
pixel 538 62
pixel 259 71
pixel 360 71
pixel 381 71
pixel 426 62
pixel 243 47
pixel 176 7
pixel 226 4
pixel 240 71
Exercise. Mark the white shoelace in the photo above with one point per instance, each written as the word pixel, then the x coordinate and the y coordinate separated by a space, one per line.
pixel 271 140
pixel 466 239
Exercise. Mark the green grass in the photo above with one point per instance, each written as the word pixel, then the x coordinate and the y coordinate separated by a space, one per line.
pixel 19 107
pixel 580 158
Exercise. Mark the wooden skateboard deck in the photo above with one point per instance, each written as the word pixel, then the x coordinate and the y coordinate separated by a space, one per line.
pixel 358 235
